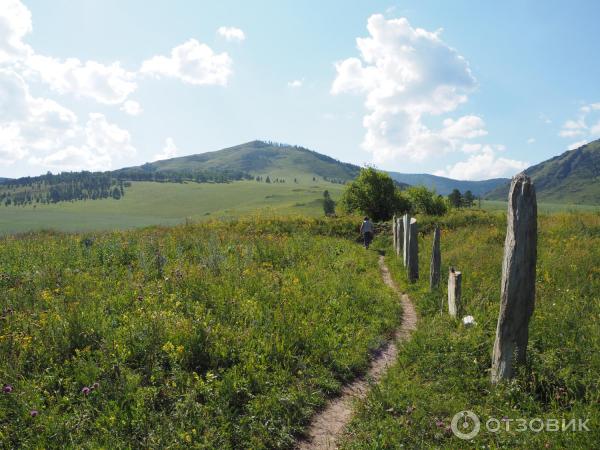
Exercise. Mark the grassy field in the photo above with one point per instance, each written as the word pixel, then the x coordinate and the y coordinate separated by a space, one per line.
pixel 147 203
pixel 212 335
pixel 444 369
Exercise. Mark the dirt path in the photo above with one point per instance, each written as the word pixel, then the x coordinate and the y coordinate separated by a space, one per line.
pixel 329 423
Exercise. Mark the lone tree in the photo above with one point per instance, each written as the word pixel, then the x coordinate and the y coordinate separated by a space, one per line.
pixel 374 193
pixel 455 198
pixel 328 204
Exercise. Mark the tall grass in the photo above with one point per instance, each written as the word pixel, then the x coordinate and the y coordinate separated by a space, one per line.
pixel 219 335
pixel 444 369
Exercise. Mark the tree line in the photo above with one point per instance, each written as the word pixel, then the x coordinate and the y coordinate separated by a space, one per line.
pixel 376 195
pixel 66 186
pixel 85 185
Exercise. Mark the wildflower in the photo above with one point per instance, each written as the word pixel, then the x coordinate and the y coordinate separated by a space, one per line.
pixel 96 385
pixel 85 390
pixel 7 389
pixel 439 423
pixel 33 412
pixel 468 321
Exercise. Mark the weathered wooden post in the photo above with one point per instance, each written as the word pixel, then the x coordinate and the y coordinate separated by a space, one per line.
pixel 454 292
pixel 394 232
pixel 436 261
pixel 518 279
pixel 412 266
pixel 406 229
pixel 400 236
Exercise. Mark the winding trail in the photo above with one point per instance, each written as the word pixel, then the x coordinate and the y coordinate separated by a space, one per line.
pixel 328 424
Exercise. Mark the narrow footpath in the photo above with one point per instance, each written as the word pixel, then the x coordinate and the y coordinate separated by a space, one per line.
pixel 329 423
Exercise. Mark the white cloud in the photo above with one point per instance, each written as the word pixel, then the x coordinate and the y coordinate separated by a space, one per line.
pixel 466 127
pixel 170 150
pixel 49 135
pixel 483 166
pixel 132 108
pixel 295 83
pixel 193 63
pixel 579 128
pixel 106 84
pixel 405 74
pixel 577 144
pixel 15 24
pixel 531 140
pixel 232 33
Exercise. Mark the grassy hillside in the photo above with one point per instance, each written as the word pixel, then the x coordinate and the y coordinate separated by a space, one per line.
pixel 573 177
pixel 444 186
pixel 444 369
pixel 148 203
pixel 263 158
pixel 543 207
pixel 213 336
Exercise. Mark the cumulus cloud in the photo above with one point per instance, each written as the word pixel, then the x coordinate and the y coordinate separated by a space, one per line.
pixel 50 135
pixel 191 62
pixel 295 83
pixel 108 84
pixel 169 150
pixel 232 33
pixel 483 165
pixel 15 24
pixel 405 74
pixel 579 127
pixel 132 108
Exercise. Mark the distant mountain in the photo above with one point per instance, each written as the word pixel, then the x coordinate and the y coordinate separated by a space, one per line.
pixel 260 158
pixel 444 186
pixel 2 180
pixel 573 177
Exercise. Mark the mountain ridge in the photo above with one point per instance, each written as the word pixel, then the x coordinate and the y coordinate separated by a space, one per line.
pixel 571 177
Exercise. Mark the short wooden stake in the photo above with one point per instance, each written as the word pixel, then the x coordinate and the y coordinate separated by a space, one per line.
pixel 454 293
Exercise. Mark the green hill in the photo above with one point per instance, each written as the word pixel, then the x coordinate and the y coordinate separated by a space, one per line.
pixel 444 185
pixel 573 177
pixel 259 158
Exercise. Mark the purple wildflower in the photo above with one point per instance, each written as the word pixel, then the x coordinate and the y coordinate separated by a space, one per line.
pixel 439 423
pixel 33 412
pixel 7 389
pixel 85 390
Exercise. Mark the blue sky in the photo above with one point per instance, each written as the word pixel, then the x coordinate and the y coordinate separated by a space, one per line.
pixel 471 90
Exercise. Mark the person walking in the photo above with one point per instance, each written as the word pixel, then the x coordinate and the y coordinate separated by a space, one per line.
pixel 366 230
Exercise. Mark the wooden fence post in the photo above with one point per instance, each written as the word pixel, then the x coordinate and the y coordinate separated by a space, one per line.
pixel 406 230
pixel 400 236
pixel 436 261
pixel 454 292
pixel 412 267
pixel 518 279
pixel 394 232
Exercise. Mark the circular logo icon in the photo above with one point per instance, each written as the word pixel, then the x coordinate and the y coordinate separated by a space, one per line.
pixel 465 425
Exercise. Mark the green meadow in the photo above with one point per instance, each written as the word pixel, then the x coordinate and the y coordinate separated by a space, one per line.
pixel 444 368
pixel 150 203
pixel 212 335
